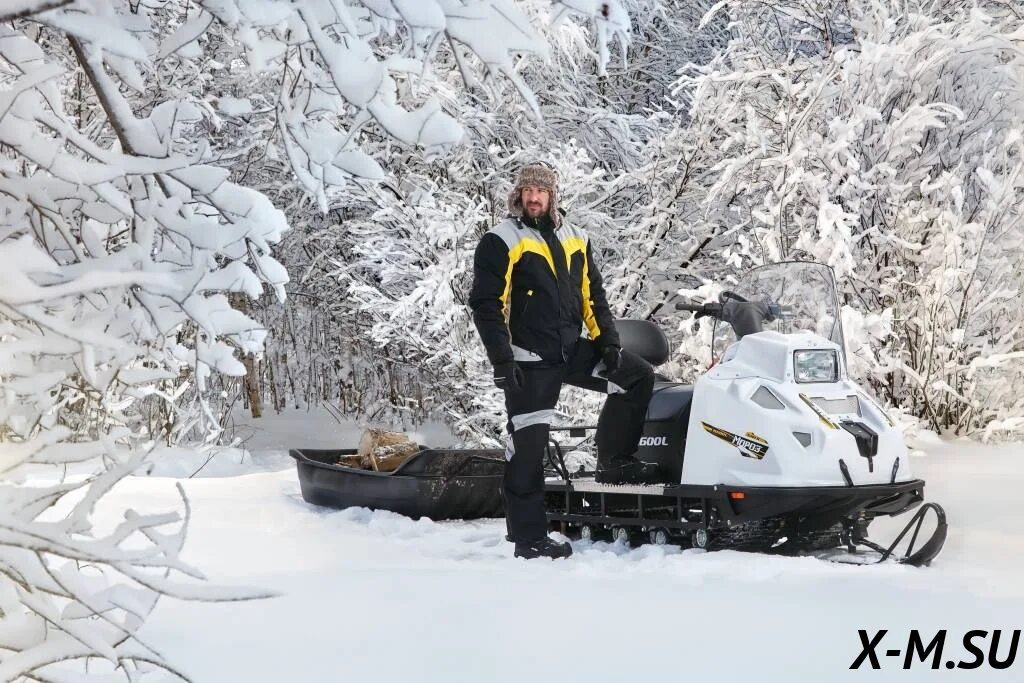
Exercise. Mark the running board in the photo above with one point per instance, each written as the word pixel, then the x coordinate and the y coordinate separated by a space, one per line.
pixel 588 485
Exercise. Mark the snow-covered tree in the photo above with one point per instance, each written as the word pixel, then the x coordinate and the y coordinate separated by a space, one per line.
pixel 676 182
pixel 118 247
pixel 886 142
pixel 380 283
pixel 817 131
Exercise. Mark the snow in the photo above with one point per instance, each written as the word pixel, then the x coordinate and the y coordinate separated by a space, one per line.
pixel 376 596
pixel 234 106
pixel 97 31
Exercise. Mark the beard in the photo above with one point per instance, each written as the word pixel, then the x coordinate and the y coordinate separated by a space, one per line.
pixel 534 210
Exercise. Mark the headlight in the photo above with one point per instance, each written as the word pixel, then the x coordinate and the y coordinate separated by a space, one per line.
pixel 818 365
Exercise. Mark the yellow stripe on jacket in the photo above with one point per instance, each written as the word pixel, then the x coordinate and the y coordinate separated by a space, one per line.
pixel 524 245
pixel 589 318
pixel 570 246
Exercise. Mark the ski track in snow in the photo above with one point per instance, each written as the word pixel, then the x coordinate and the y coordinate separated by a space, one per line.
pixel 374 596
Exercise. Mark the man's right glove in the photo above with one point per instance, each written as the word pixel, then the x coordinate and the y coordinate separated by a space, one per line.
pixel 508 376
pixel 711 309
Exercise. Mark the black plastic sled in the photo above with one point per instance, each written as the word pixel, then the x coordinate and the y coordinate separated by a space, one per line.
pixel 433 483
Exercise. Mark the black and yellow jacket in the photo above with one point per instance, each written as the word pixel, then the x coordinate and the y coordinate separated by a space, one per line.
pixel 535 288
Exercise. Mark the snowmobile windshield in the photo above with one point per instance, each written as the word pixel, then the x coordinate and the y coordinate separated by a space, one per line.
pixel 805 294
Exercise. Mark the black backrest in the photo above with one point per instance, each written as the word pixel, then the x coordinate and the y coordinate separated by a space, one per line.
pixel 643 338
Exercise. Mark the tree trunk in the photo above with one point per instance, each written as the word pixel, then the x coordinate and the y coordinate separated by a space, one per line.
pixel 275 399
pixel 252 385
pixel 240 302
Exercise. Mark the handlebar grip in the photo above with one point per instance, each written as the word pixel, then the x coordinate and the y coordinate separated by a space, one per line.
pixel 693 308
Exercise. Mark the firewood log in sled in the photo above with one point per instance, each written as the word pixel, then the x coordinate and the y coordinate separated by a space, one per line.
pixel 381 451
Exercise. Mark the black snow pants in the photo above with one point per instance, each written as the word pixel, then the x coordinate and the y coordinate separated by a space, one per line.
pixel 531 408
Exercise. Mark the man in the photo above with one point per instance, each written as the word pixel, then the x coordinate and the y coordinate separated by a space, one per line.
pixel 535 288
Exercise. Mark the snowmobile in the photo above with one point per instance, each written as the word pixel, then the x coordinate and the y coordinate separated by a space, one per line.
pixel 773 449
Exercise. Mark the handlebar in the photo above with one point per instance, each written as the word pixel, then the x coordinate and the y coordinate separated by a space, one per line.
pixel 777 310
pixel 728 295
pixel 745 317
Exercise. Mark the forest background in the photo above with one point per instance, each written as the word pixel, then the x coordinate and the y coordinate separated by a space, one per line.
pixel 215 204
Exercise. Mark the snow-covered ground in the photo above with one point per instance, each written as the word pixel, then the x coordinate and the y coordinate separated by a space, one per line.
pixel 378 597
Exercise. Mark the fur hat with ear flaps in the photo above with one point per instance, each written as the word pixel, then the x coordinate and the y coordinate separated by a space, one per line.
pixel 535 175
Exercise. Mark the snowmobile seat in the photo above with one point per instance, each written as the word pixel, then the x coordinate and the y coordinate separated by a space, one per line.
pixel 643 338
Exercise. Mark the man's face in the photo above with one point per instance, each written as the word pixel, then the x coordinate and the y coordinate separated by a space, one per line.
pixel 536 201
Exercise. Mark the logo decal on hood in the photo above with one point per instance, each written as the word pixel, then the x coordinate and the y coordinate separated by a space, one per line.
pixel 750 446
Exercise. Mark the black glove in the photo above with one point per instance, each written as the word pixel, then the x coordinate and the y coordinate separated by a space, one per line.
pixel 611 355
pixel 508 376
pixel 712 309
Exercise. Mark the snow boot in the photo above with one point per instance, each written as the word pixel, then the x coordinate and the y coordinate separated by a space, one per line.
pixel 543 548
pixel 628 470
